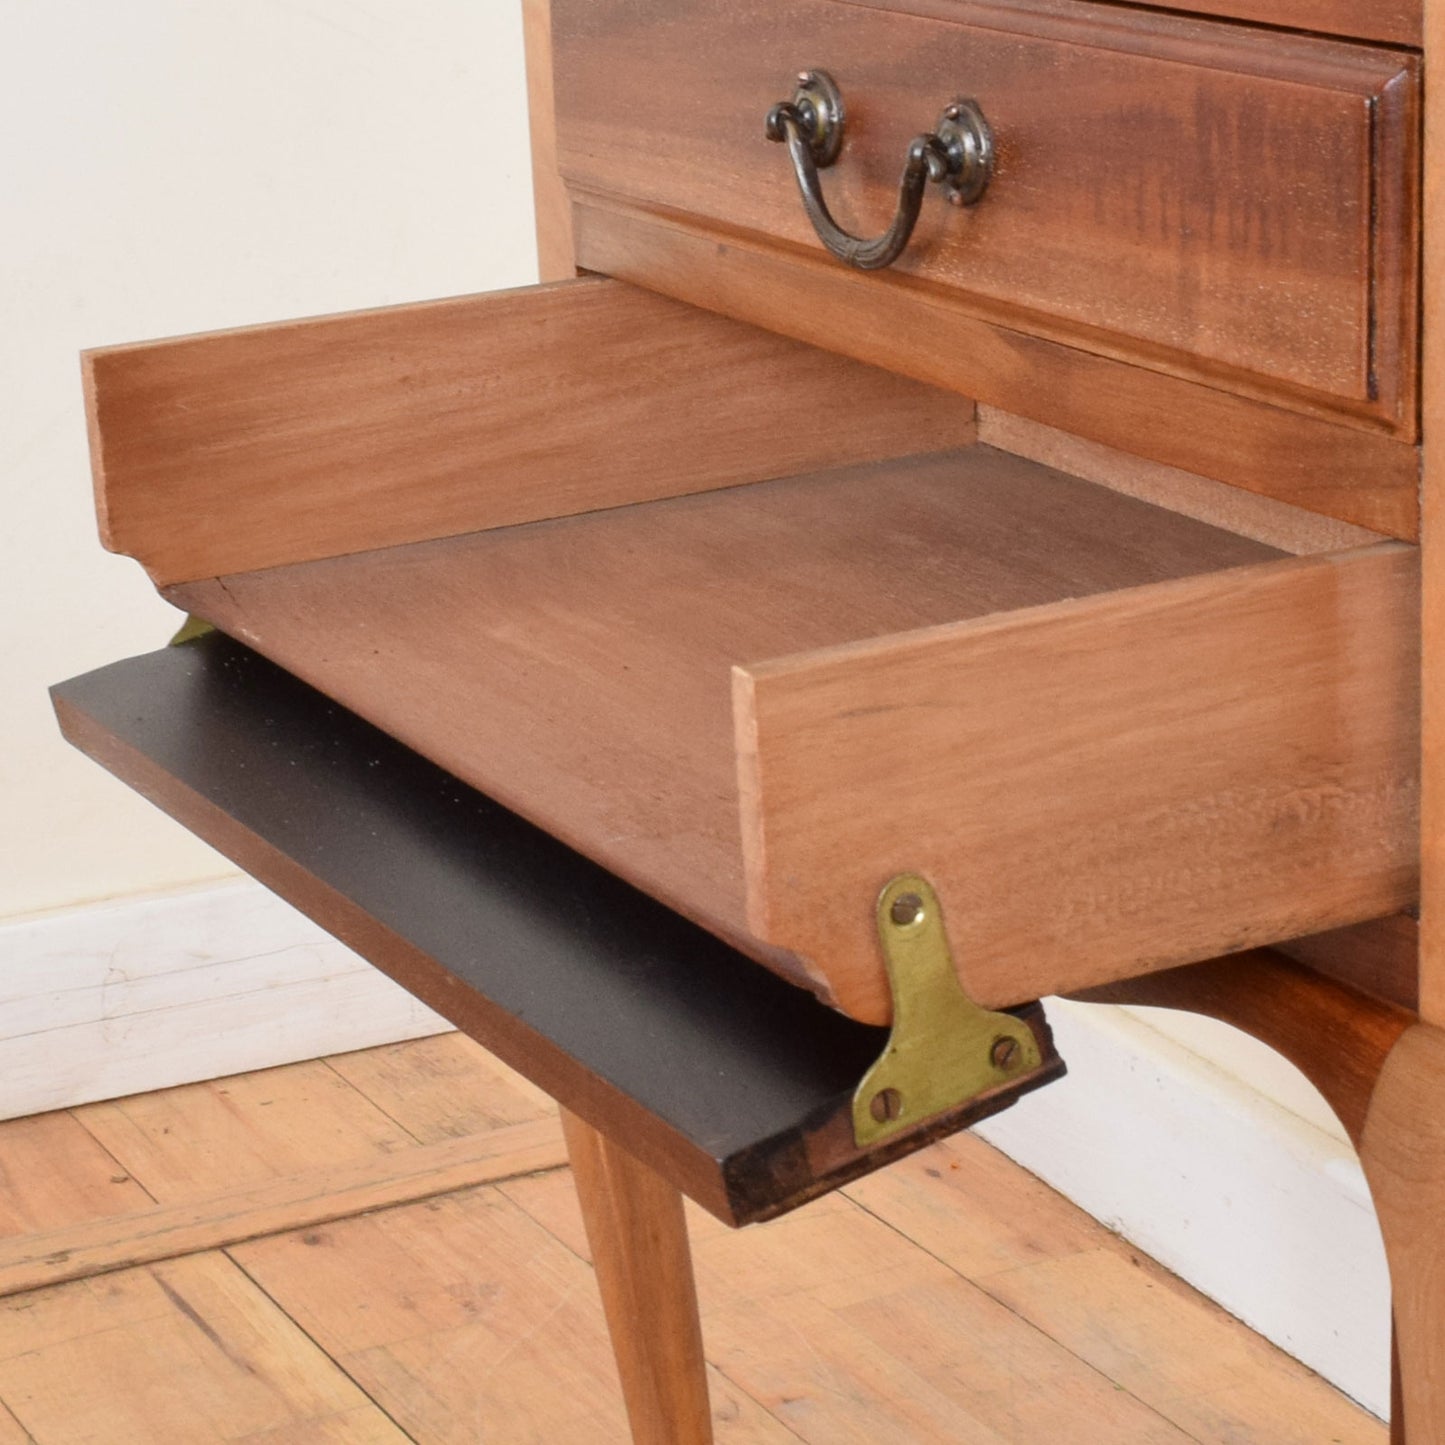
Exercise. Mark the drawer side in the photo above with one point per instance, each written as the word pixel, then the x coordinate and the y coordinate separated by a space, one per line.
pixel 1098 788
pixel 325 437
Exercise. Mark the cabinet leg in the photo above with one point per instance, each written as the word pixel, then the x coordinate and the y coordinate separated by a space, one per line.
pixel 638 1235
pixel 1397 1398
pixel 1403 1151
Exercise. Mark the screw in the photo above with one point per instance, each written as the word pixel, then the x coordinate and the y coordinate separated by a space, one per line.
pixel 1005 1052
pixel 886 1105
pixel 954 112
pixel 955 198
pixel 805 77
pixel 906 908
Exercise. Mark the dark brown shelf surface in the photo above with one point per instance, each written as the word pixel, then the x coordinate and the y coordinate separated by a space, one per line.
pixel 726 1080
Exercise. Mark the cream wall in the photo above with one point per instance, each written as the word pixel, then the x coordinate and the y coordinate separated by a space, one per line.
pixel 176 165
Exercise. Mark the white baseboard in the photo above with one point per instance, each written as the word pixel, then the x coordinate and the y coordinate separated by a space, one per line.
pixel 1259 1208
pixel 1205 1150
pixel 143 993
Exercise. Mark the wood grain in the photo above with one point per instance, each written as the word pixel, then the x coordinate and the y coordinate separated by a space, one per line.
pixel 640 1252
pixel 549 196
pixel 1432 495
pixel 245 449
pixel 1169 1350
pixel 1336 1036
pixel 200 1140
pixel 1249 514
pixel 1397 22
pixel 857 1316
pixel 1380 958
pixel 1339 471
pixel 186 1351
pixel 867 1314
pixel 571 704
pixel 444 1087
pixel 1099 788
pixel 1224 204
pixel 302 1199
pixel 1403 1153
pixel 461 1318
pixel 869 1319
pixel 52 1172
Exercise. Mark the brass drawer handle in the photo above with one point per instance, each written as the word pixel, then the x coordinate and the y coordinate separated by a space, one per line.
pixel 959 154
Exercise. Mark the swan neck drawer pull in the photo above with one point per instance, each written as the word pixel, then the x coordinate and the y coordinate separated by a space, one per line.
pixel 957 155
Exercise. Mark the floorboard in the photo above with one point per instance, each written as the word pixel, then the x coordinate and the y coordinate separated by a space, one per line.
pixel 54 1172
pixel 953 1298
pixel 443 1087
pixel 198 1140
pixel 190 1351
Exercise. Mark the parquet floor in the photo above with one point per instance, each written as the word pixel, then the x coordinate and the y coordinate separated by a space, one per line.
pixel 383 1247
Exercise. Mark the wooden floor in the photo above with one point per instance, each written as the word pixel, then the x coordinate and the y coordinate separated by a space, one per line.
pixel 383 1247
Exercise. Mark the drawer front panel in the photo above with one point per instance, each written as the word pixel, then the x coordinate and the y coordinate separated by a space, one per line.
pixel 1212 201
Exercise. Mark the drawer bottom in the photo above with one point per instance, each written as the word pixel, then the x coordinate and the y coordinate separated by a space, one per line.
pixel 1116 739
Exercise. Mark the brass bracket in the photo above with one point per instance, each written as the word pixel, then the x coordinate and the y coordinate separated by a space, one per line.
pixel 192 628
pixel 944 1050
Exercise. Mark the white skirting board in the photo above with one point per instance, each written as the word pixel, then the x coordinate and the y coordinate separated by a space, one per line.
pixel 1209 1154
pixel 139 994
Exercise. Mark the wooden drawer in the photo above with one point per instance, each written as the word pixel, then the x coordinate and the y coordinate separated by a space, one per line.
pixel 759 628
pixel 1223 204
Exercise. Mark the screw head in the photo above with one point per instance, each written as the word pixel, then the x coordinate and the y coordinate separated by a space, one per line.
pixel 1005 1052
pixel 907 908
pixel 885 1106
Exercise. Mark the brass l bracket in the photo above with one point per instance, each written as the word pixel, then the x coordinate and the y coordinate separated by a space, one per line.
pixel 190 629
pixel 944 1049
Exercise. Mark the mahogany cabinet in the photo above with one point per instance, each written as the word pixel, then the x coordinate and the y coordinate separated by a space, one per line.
pixel 948 531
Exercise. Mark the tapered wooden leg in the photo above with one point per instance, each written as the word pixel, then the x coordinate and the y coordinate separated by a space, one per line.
pixel 1403 1151
pixel 1397 1398
pixel 638 1234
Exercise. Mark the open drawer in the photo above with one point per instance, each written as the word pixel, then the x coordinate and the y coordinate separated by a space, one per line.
pixel 760 628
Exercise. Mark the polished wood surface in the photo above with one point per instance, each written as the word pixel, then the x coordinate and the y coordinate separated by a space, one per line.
pixel 1432 892
pixel 1340 471
pixel 1398 22
pixel 549 196
pixel 1338 1037
pixel 1380 958
pixel 1248 514
pixel 1098 788
pixel 1224 204
pixel 534 663
pixel 1403 1152
pixel 276 444
pixel 638 1236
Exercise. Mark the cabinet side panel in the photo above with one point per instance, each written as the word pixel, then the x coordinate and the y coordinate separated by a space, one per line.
pixel 549 196
pixel 1432 883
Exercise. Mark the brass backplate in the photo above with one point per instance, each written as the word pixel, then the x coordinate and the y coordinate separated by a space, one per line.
pixel 944 1050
